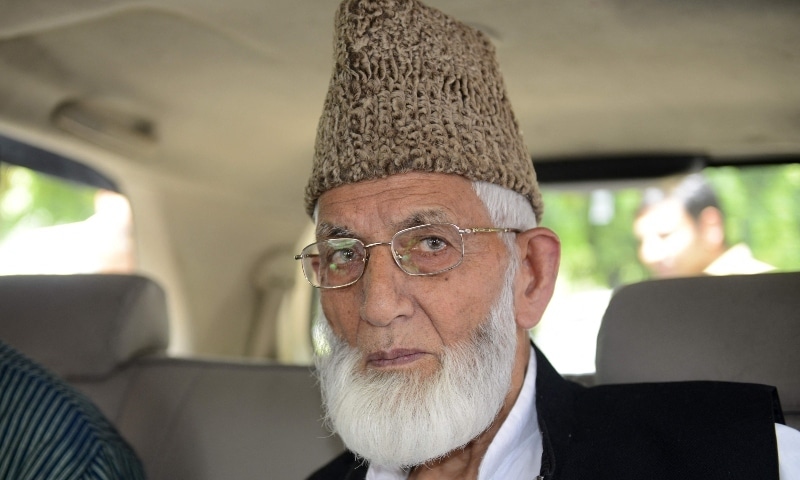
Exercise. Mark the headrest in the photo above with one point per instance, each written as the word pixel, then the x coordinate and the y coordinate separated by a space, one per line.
pixel 741 328
pixel 83 325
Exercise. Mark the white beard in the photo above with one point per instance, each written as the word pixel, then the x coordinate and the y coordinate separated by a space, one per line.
pixel 403 419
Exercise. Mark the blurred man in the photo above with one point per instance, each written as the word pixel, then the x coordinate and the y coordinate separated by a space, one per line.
pixel 432 270
pixel 681 232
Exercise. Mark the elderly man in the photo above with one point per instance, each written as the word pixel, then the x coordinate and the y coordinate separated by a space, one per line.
pixel 432 269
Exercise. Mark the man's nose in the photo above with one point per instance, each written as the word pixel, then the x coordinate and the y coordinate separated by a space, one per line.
pixel 384 296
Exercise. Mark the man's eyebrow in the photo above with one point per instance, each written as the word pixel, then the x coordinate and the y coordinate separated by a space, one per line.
pixel 327 230
pixel 423 217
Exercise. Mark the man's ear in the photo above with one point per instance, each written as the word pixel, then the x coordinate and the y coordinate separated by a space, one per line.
pixel 540 254
pixel 711 226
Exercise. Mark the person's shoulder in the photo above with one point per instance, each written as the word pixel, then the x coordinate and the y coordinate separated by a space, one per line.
pixel 704 404
pixel 344 467
pixel 49 423
pixel 673 430
pixel 686 415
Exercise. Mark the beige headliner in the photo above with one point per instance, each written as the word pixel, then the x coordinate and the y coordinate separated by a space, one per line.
pixel 241 82
pixel 234 90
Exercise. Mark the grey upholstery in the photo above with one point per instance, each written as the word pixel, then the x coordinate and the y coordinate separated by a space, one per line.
pixel 212 419
pixel 186 418
pixel 743 328
pixel 83 325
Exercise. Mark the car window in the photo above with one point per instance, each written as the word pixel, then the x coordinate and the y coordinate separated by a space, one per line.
pixel 613 237
pixel 49 225
pixel 601 250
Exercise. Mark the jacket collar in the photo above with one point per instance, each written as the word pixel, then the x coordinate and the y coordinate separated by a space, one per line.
pixel 555 401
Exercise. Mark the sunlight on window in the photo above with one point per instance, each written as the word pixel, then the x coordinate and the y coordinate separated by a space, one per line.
pixel 18 198
pixel 51 226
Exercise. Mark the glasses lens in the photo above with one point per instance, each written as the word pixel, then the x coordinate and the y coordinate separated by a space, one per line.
pixel 334 262
pixel 428 249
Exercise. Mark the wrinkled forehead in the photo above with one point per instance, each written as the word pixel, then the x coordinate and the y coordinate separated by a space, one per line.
pixel 378 207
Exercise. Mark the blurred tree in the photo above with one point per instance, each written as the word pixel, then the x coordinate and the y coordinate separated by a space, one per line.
pixel 762 209
pixel 29 199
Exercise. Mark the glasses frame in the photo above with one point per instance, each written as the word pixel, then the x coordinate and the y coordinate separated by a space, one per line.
pixel 396 256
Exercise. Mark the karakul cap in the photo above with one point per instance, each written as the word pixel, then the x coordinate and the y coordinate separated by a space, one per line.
pixel 415 90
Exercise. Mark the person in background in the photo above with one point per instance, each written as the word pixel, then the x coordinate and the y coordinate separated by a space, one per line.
pixel 49 431
pixel 681 232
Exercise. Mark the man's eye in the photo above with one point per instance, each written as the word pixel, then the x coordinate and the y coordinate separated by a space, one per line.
pixel 433 244
pixel 341 257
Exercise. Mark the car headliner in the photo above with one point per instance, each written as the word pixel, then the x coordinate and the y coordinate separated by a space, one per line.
pixel 232 90
pixel 220 100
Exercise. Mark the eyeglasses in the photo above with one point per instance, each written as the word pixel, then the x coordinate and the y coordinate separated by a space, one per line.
pixel 422 250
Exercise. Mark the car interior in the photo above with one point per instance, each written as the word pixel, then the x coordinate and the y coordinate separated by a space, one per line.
pixel 153 158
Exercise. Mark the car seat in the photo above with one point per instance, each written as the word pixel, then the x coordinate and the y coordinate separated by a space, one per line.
pixel 739 328
pixel 187 418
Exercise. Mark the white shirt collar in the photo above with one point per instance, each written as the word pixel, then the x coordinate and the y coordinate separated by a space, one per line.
pixel 515 452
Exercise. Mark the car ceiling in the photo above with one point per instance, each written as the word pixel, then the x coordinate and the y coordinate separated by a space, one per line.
pixel 228 93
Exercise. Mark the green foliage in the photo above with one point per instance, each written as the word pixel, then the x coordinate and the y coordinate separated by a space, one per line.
pixel 762 209
pixel 597 249
pixel 761 206
pixel 29 199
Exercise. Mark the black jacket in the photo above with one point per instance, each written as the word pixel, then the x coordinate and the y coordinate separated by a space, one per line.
pixel 651 431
